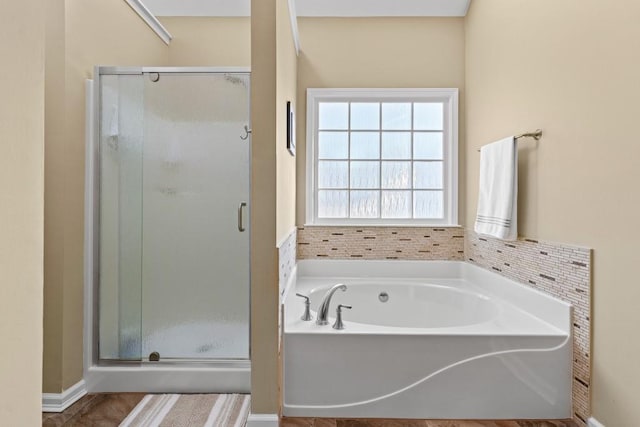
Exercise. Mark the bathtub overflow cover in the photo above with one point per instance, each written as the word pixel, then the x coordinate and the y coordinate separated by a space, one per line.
pixel 383 297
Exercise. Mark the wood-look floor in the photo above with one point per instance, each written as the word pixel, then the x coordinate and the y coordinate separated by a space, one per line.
pixel 109 410
pixel 95 410
pixel 324 422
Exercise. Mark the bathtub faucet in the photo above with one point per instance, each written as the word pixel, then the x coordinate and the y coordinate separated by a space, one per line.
pixel 323 310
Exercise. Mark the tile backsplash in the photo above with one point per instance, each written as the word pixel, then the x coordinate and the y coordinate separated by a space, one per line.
pixel 407 243
pixel 286 259
pixel 560 270
pixel 286 264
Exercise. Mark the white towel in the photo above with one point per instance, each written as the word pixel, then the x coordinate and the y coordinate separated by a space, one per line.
pixel 498 195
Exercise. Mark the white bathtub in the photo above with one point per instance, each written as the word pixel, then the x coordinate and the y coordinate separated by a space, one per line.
pixel 452 341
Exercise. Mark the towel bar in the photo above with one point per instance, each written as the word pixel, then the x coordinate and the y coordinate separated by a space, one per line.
pixel 535 135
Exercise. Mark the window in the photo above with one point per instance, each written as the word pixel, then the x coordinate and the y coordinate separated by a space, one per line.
pixel 382 156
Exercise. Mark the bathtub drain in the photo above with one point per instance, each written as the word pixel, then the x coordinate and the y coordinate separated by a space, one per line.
pixel 383 297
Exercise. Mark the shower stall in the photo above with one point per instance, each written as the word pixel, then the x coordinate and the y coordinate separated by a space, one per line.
pixel 167 230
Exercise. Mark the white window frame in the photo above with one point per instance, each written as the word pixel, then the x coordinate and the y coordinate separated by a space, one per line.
pixel 448 96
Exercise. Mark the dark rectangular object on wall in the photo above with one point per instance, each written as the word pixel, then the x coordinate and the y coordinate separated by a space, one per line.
pixel 291 129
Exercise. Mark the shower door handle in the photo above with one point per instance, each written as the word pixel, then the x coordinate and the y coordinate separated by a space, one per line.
pixel 240 222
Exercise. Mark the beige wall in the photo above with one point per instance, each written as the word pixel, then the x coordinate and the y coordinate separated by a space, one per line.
pixel 377 52
pixel 54 125
pixel 570 68
pixel 95 33
pixel 264 272
pixel 209 41
pixel 21 211
pixel 286 64
pixel 273 65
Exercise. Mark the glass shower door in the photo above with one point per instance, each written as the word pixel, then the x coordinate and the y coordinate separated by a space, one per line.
pixel 174 220
pixel 195 224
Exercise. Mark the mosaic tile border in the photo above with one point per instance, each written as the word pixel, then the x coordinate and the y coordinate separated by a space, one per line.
pixel 286 263
pixel 406 243
pixel 286 259
pixel 560 270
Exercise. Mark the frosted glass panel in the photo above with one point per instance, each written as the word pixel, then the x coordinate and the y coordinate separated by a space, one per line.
pixel 396 145
pixel 195 261
pixel 396 116
pixel 333 145
pixel 174 269
pixel 427 174
pixel 333 115
pixel 121 150
pixel 365 174
pixel 428 116
pixel 333 174
pixel 365 145
pixel 364 204
pixel 396 204
pixel 396 174
pixel 333 204
pixel 365 115
pixel 428 204
pixel 427 146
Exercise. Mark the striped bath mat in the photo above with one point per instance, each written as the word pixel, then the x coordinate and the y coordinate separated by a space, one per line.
pixel 190 410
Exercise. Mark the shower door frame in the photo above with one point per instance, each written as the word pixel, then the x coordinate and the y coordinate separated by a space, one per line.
pixel 222 376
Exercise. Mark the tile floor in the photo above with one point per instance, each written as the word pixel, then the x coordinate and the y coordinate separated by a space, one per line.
pixel 322 422
pixel 108 410
pixel 94 410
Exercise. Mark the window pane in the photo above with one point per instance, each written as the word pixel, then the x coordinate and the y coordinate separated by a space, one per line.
pixel 427 146
pixel 364 204
pixel 365 175
pixel 332 174
pixel 332 204
pixel 396 174
pixel 428 116
pixel 365 145
pixel 396 115
pixel 427 175
pixel 333 115
pixel 365 115
pixel 381 155
pixel 396 204
pixel 333 145
pixel 428 204
pixel 396 145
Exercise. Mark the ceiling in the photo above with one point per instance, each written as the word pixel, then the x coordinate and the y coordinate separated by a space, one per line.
pixel 347 8
pixel 199 7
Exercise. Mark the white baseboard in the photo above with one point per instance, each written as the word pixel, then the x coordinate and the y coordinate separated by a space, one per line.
pixel 58 402
pixel 262 420
pixel 592 422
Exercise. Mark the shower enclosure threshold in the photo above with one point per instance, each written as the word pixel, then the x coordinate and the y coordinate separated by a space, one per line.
pixel 170 377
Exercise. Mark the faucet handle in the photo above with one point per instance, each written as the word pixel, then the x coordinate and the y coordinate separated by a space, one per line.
pixel 307 313
pixel 338 324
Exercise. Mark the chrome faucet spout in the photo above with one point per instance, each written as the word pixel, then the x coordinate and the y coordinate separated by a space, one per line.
pixel 323 310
